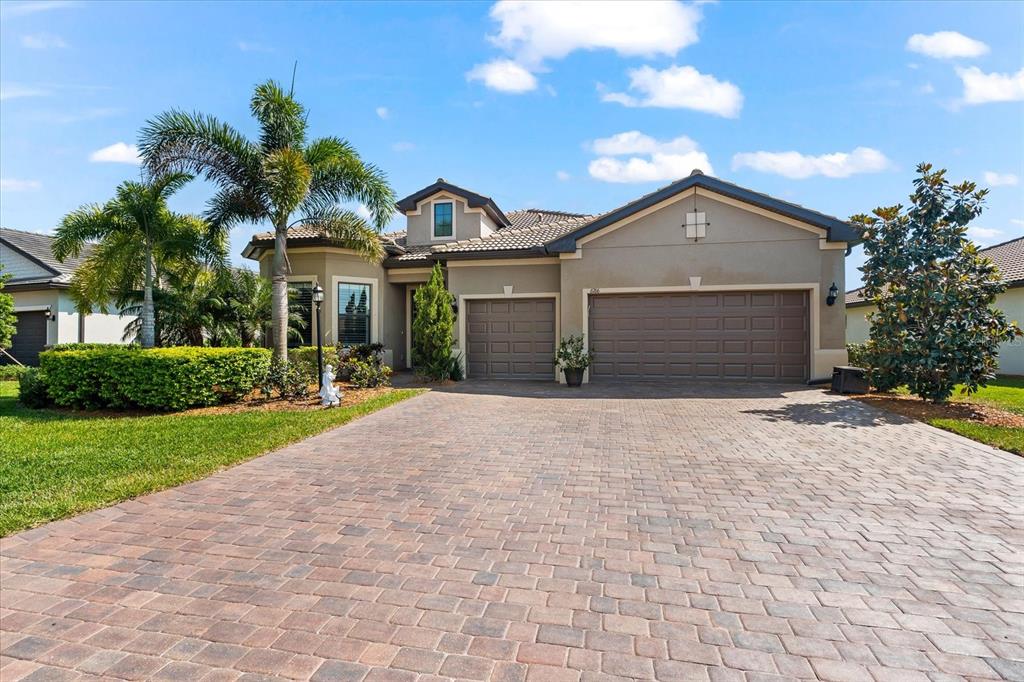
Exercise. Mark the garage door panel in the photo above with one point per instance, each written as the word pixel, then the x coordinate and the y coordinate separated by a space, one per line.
pixel 30 336
pixel 733 335
pixel 513 339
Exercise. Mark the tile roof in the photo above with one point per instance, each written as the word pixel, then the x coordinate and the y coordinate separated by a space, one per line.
pixel 1008 257
pixel 518 239
pixel 39 247
pixel 530 217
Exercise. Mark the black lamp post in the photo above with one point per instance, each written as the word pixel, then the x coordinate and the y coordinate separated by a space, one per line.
pixel 318 298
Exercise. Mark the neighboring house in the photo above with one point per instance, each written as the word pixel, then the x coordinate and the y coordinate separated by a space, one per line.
pixel 699 279
pixel 46 314
pixel 1009 258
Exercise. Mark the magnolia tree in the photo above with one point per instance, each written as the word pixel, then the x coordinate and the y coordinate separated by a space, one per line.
pixel 935 326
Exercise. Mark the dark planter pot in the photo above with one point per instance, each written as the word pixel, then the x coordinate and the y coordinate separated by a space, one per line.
pixel 573 376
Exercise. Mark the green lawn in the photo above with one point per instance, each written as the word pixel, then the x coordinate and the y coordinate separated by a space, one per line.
pixel 55 464
pixel 1006 393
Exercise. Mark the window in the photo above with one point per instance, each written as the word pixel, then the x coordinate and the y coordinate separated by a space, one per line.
pixel 300 314
pixel 444 221
pixel 353 313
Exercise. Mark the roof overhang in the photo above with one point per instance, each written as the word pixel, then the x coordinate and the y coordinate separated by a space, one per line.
pixel 472 199
pixel 835 230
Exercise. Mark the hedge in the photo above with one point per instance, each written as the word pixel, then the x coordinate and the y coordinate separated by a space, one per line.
pixel 11 372
pixel 156 378
pixel 60 347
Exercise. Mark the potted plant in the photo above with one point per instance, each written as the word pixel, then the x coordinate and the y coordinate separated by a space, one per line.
pixel 573 359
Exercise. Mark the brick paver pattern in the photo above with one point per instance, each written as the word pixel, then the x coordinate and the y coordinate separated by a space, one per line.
pixel 535 533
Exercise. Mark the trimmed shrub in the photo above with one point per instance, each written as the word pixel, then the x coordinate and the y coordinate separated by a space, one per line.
pixel 32 388
pixel 60 347
pixel 286 380
pixel 12 372
pixel 368 374
pixel 303 359
pixel 154 378
pixel 857 355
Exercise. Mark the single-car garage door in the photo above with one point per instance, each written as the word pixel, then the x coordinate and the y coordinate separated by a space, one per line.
pixel 510 338
pixel 755 335
pixel 30 337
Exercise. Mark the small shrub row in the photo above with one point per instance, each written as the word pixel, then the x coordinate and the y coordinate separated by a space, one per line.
pixel 155 378
pixel 59 347
pixel 12 372
pixel 857 355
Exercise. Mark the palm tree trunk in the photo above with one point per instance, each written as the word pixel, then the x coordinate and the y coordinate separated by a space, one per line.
pixel 148 323
pixel 279 292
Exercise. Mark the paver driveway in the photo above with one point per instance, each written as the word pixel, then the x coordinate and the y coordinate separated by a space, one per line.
pixel 513 532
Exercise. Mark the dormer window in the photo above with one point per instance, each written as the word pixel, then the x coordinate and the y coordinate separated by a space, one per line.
pixel 444 219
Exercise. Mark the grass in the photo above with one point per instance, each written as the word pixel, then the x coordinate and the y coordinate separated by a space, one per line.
pixel 1006 393
pixel 1002 437
pixel 54 464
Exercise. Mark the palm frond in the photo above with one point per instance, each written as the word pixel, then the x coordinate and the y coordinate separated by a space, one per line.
pixel 176 141
pixel 287 176
pixel 340 175
pixel 233 206
pixel 84 224
pixel 282 119
pixel 349 230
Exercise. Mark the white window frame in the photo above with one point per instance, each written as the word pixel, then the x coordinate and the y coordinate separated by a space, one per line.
pixel 433 233
pixel 374 304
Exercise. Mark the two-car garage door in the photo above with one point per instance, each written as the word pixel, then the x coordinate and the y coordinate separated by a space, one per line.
pixel 754 335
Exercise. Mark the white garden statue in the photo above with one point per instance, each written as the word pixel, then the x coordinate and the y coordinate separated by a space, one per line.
pixel 330 396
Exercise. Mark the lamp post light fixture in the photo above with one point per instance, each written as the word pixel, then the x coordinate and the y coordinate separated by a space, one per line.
pixel 318 298
pixel 833 294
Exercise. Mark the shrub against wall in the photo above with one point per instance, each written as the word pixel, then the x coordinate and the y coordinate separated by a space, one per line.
pixel 156 378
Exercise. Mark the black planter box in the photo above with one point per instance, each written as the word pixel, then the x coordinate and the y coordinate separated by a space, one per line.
pixel 849 380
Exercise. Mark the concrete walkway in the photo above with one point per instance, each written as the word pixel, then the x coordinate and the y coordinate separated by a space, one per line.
pixel 511 532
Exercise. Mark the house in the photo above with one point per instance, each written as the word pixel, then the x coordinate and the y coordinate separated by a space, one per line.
pixel 699 279
pixel 1009 258
pixel 42 303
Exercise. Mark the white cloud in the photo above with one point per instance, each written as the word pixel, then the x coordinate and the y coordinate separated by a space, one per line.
pixel 503 75
pixel 383 113
pixel 363 212
pixel 798 166
pixel 993 179
pixel 403 147
pixel 981 87
pixel 536 31
pixel 562 176
pixel 250 46
pixel 11 90
pixel 16 185
pixel 926 89
pixel 984 235
pixel 946 45
pixel 668 160
pixel 42 41
pixel 119 152
pixel 1017 221
pixel 679 87
pixel 13 9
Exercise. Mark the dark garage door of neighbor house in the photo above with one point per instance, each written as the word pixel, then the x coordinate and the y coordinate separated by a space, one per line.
pixel 30 337
pixel 753 335
pixel 510 338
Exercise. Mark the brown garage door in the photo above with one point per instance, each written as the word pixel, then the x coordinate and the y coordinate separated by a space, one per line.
pixel 30 337
pixel 756 335
pixel 510 338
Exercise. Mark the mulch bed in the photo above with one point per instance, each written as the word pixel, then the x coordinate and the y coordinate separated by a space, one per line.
pixel 349 396
pixel 915 408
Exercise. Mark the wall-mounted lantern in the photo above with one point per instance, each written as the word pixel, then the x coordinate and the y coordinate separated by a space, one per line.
pixel 833 294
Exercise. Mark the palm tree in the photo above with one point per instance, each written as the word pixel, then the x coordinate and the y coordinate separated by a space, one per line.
pixel 139 240
pixel 273 179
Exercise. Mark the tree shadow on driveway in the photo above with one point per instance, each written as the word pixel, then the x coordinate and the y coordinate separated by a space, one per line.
pixel 845 414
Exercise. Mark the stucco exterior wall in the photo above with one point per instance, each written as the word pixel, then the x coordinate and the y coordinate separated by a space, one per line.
pixel 63 325
pixel 742 249
pixel 329 266
pixel 419 225
pixel 1011 355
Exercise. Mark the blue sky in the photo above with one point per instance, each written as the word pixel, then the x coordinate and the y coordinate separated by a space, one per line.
pixel 554 105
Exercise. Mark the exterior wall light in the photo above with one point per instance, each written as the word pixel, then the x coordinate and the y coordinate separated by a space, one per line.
pixel 833 294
